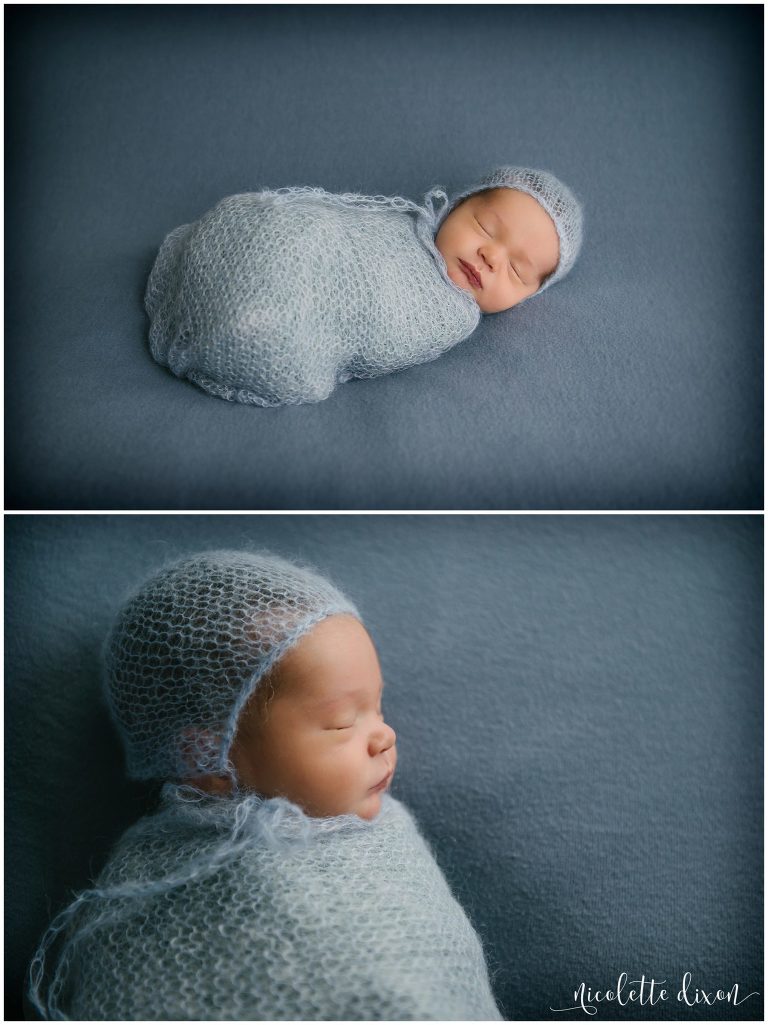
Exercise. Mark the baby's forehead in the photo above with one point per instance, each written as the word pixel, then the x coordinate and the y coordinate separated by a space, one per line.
pixel 484 196
pixel 321 689
pixel 503 199
pixel 488 195
pixel 323 699
pixel 488 200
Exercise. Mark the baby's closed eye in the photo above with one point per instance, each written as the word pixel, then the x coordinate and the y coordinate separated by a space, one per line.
pixel 347 722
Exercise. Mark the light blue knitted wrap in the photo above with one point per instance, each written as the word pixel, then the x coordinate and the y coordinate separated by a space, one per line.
pixel 243 909
pixel 274 297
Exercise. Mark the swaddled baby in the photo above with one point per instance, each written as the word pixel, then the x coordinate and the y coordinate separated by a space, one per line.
pixel 278 879
pixel 274 297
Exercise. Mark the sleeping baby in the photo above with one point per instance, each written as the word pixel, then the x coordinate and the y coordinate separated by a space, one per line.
pixel 274 297
pixel 278 879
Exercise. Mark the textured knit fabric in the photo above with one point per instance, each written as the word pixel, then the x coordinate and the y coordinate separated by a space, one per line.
pixel 193 643
pixel 556 198
pixel 275 297
pixel 246 909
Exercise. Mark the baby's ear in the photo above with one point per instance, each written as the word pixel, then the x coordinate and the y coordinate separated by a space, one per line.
pixel 199 748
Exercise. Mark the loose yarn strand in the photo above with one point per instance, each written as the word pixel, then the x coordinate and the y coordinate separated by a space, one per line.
pixel 242 835
pixel 427 216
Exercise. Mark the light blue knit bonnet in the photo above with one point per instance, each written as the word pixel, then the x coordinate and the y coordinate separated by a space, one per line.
pixel 556 198
pixel 192 645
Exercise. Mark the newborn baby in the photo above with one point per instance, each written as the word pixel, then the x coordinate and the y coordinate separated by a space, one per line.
pixel 274 297
pixel 279 879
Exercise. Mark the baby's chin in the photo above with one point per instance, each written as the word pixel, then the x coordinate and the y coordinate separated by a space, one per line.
pixel 369 807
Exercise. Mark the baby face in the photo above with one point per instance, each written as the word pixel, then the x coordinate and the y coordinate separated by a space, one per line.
pixel 321 741
pixel 499 245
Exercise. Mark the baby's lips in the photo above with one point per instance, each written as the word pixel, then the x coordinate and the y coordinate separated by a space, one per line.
pixel 384 783
pixel 472 272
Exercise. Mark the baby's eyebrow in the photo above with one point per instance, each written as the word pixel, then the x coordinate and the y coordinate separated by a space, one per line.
pixel 339 699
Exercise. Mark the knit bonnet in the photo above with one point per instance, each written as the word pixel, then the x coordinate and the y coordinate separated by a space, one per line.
pixel 556 198
pixel 191 646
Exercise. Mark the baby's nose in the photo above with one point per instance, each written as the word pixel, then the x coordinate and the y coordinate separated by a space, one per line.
pixel 384 738
pixel 491 255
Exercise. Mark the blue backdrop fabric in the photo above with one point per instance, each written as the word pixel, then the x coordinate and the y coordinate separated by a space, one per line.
pixel 578 703
pixel 635 383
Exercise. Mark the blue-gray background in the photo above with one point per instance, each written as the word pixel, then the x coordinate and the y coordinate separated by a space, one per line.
pixel 635 383
pixel 578 702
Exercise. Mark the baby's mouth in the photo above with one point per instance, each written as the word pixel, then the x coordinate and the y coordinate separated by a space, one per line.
pixel 472 275
pixel 384 783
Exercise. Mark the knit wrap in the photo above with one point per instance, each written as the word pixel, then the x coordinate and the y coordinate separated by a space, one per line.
pixel 274 297
pixel 220 908
pixel 191 646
